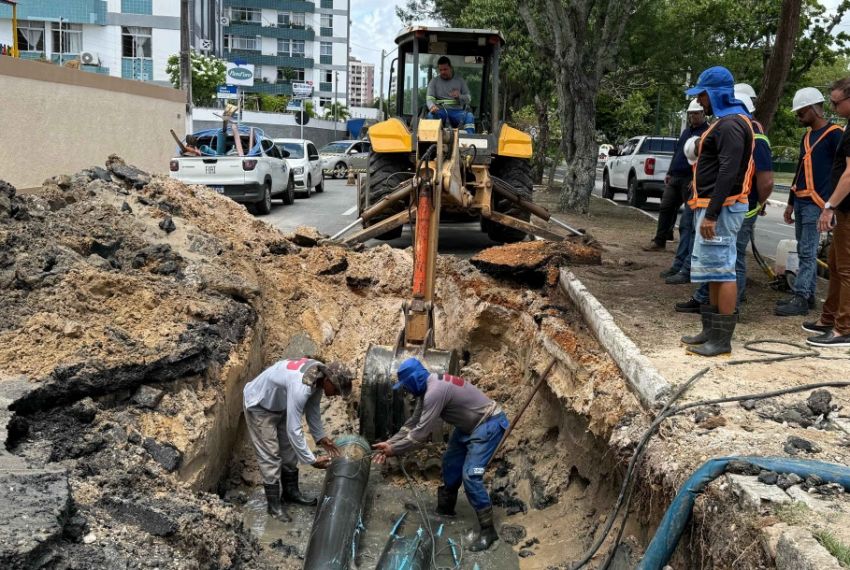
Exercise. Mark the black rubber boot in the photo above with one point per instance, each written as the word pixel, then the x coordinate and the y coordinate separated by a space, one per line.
pixel 274 508
pixel 446 501
pixel 705 312
pixel 719 336
pixel 291 493
pixel 487 533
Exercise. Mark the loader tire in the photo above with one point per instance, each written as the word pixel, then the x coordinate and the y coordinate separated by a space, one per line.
pixel 517 173
pixel 381 167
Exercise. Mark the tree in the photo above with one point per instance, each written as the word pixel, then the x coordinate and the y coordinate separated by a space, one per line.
pixel 580 41
pixel 779 61
pixel 208 72
pixel 336 112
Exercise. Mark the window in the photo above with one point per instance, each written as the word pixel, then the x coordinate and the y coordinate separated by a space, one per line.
pixel 324 101
pixel 658 146
pixel 290 74
pixel 297 48
pixel 253 15
pixel 283 47
pixel 327 21
pixel 284 19
pixel 298 19
pixel 329 76
pixel 291 19
pixel 135 41
pixel 295 149
pixel 241 43
pixel 30 36
pixel 68 38
pixel 326 48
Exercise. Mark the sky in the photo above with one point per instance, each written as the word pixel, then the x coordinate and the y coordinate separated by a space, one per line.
pixel 374 26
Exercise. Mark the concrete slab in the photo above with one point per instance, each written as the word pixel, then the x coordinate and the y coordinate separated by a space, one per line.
pixel 797 549
pixel 755 495
pixel 647 382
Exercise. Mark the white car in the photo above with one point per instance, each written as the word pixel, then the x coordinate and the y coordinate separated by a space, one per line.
pixel 305 166
pixel 336 156
pixel 638 168
pixel 252 179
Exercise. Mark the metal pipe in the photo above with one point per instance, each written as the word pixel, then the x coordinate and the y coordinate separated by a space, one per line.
pixel 339 516
pixel 503 189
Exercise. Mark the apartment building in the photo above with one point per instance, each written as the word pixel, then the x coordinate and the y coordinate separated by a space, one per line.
pixel 291 41
pixel 361 83
pixel 122 38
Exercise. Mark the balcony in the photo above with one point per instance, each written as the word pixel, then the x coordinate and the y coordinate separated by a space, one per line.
pixel 273 60
pixel 326 87
pixel 284 33
pixel 71 11
pixel 279 88
pixel 326 32
pixel 280 5
pixel 326 59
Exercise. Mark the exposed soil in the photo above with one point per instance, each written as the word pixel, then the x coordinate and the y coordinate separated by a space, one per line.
pixel 135 308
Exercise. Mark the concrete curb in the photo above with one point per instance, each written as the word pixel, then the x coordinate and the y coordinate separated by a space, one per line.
pixel 645 380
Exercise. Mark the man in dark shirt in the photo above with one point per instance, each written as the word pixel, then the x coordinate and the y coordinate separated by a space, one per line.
pixel 721 184
pixel 760 191
pixel 676 190
pixel 811 189
pixel 834 323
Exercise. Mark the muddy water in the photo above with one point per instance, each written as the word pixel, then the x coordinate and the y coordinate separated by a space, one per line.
pixel 384 504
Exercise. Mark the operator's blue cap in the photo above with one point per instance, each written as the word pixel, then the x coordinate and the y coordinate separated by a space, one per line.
pixel 717 82
pixel 412 376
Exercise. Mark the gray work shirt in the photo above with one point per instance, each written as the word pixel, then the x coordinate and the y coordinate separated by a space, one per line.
pixel 280 388
pixel 440 91
pixel 451 398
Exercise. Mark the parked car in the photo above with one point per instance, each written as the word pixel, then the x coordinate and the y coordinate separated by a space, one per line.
pixel 305 165
pixel 336 156
pixel 638 168
pixel 252 179
pixel 602 156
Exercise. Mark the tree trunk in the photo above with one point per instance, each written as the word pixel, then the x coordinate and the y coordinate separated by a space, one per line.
pixel 542 143
pixel 578 142
pixel 776 69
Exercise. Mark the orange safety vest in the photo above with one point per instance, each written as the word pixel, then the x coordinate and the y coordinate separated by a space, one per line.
pixel 806 162
pixel 697 202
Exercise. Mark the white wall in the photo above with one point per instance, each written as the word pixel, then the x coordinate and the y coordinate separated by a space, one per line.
pixel 269 16
pixel 6 32
pixel 269 46
pixel 165 43
pixel 104 42
pixel 162 8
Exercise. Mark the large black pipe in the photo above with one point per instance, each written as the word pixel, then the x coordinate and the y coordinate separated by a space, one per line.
pixel 339 516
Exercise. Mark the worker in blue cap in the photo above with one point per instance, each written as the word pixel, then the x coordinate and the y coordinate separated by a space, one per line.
pixel 479 425
pixel 723 175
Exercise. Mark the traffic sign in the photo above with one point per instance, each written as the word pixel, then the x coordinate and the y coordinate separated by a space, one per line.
pixel 303 89
pixel 240 74
pixel 226 92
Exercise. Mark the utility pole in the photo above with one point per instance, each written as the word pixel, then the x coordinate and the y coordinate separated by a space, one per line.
pixel 383 114
pixel 185 62
pixel 336 105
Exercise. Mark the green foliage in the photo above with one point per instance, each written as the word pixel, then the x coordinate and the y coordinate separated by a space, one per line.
pixel 834 546
pixel 208 72
pixel 288 73
pixel 336 111
pixel 273 103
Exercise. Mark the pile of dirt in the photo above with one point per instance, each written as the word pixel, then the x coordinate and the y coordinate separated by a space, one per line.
pixel 135 307
pixel 534 260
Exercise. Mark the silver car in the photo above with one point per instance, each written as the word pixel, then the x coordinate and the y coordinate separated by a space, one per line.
pixel 337 157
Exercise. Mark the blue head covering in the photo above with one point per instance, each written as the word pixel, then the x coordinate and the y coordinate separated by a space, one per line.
pixel 412 376
pixel 719 84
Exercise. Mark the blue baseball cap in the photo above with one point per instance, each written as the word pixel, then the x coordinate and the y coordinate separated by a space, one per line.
pixel 712 79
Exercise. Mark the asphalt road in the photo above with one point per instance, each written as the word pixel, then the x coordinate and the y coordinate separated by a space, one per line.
pixel 336 208
pixel 770 228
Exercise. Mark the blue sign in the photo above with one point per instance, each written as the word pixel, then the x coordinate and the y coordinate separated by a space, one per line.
pixel 226 91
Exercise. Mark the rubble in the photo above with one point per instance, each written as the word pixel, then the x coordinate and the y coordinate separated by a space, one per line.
pixel 532 260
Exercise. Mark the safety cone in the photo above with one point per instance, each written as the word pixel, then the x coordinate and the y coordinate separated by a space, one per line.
pixel 350 181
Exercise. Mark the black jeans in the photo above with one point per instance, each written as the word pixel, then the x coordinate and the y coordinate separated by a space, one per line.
pixel 674 196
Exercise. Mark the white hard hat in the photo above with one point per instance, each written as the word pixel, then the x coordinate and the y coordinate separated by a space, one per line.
pixel 745 89
pixel 805 97
pixel 695 107
pixel 692 149
pixel 746 100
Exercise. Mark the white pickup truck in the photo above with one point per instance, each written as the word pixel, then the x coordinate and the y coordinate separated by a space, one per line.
pixel 252 179
pixel 638 168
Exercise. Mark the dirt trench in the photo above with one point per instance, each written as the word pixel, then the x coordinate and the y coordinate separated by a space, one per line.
pixel 138 307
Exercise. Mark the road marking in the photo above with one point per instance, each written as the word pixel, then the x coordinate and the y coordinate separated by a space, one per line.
pixel 350 211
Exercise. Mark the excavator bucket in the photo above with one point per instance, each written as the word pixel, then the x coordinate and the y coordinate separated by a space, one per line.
pixel 384 410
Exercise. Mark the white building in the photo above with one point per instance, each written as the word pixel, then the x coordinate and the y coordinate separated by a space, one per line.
pixel 291 41
pixel 123 38
pixel 361 84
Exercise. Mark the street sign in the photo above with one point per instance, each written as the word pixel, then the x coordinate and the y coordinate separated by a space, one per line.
pixel 293 105
pixel 226 92
pixel 239 74
pixel 304 89
pixel 206 44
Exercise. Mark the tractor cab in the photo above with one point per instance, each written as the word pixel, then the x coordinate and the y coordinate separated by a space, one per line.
pixel 474 55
